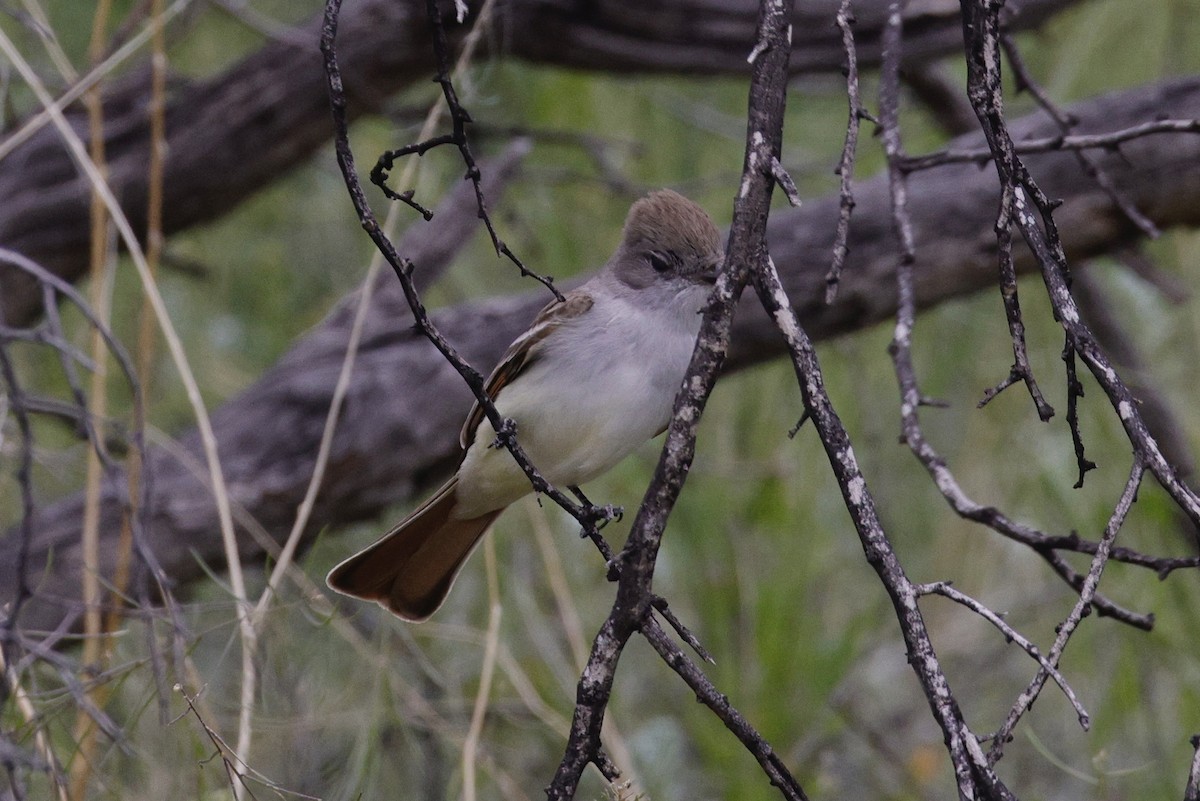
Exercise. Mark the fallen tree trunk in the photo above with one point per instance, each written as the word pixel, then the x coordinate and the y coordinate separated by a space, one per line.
pixel 232 134
pixel 400 425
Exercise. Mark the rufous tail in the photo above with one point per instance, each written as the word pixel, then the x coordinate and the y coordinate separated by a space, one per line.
pixel 409 571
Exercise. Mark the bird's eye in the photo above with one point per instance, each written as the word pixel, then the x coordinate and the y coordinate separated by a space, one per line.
pixel 659 261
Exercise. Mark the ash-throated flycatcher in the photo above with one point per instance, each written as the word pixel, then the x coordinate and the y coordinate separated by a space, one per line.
pixel 593 378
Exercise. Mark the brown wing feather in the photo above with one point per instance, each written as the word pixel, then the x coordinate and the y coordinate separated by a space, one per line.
pixel 523 352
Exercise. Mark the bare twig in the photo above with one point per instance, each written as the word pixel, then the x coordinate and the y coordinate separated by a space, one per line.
pixel 1021 369
pixel 944 589
pixel 1032 214
pixel 1047 249
pixel 237 772
pixel 974 776
pixel 1192 792
pixel 707 693
pixel 459 119
pixel 1106 141
pixel 1074 393
pixel 972 773
pixel 403 269
pixel 1065 122
pixel 685 634
pixel 845 168
pixel 1082 609
pixel 987 86
pixel 784 180
pixel 746 250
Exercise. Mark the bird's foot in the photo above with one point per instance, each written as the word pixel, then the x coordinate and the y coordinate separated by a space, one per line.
pixel 599 516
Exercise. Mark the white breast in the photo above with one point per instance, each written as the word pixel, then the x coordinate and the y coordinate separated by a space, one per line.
pixel 604 384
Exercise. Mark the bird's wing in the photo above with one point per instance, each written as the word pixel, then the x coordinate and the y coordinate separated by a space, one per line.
pixel 524 351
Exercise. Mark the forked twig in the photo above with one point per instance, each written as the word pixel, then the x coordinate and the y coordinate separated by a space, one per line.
pixel 635 598
pixel 403 268
pixel 1082 609
pixel 1065 122
pixel 1032 214
pixel 459 119
pixel 944 589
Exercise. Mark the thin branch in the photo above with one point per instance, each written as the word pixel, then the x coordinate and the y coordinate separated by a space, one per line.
pixel 974 776
pixel 1021 369
pixel 944 589
pixel 459 119
pixel 1047 249
pixel 784 180
pixel 1074 393
pixel 707 693
pixel 238 773
pixel 1065 122
pixel 1104 606
pixel 985 96
pixel 972 773
pixel 1082 608
pixel 845 168
pixel 684 633
pixel 1048 144
pixel 746 249
pixel 505 430
pixel 1192 792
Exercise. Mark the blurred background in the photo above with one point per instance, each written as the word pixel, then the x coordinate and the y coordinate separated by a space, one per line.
pixel 759 558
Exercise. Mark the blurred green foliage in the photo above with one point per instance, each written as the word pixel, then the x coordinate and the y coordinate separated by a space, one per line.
pixel 759 558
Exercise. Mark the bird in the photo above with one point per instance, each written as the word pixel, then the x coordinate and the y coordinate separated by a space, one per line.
pixel 592 378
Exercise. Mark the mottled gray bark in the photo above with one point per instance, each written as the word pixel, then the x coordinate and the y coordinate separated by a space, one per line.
pixel 233 133
pixel 399 430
